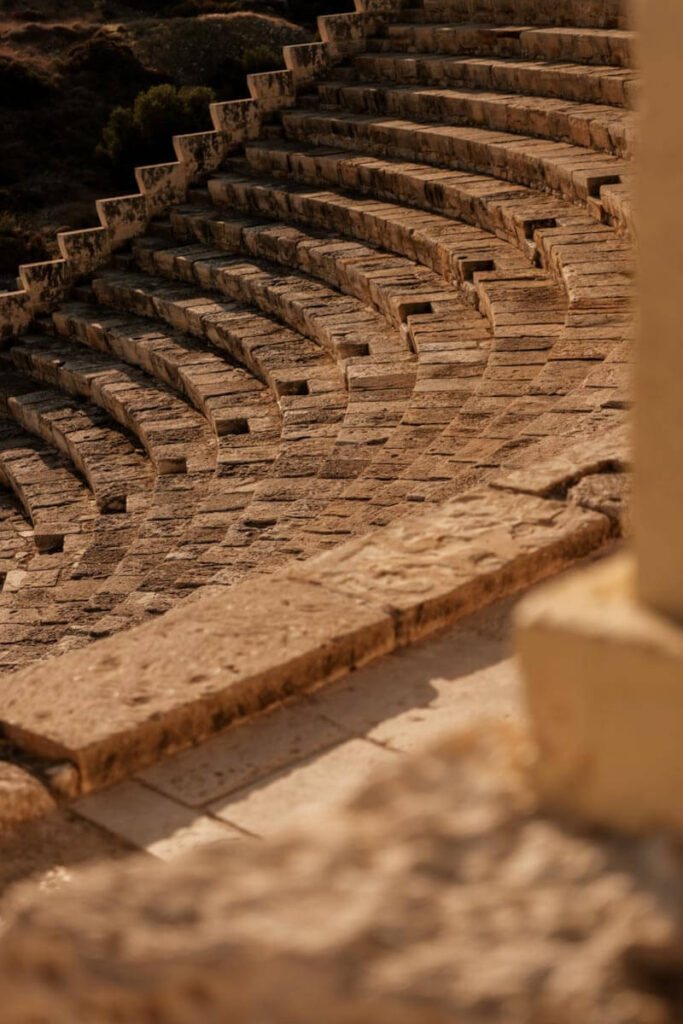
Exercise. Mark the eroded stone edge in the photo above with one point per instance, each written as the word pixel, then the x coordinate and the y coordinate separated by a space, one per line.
pixel 123 702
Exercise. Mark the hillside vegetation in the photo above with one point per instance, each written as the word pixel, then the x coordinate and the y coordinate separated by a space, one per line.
pixel 80 102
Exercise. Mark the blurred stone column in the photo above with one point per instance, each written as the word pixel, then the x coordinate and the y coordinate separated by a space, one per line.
pixel 659 371
pixel 602 652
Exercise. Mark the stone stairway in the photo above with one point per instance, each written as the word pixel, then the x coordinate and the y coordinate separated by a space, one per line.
pixel 399 272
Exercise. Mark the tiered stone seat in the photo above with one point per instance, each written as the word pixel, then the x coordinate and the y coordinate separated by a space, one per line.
pixel 109 462
pixel 573 172
pixel 509 41
pixel 229 398
pixel 589 13
pixel 172 435
pixel 406 64
pixel 595 126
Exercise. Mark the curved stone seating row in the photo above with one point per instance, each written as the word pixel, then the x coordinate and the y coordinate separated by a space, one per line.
pixel 594 126
pixel 575 82
pixel 550 233
pixel 574 173
pixel 231 400
pixel 172 436
pixel 511 39
pixel 110 464
pixel 607 14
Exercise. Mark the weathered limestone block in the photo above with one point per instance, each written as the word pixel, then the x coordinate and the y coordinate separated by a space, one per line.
pixel 239 119
pixel 307 61
pixel 162 185
pixel 345 33
pixel 201 667
pixel 272 90
pixel 124 216
pixel 200 153
pixel 85 250
pixel 434 568
pixel 440 894
pixel 553 473
pixel 46 283
pixel 15 313
pixel 608 493
pixel 604 683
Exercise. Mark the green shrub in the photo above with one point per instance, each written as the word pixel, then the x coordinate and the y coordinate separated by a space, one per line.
pixel 261 58
pixel 142 134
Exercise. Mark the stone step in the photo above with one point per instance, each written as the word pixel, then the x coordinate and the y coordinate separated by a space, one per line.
pixel 460 253
pixel 605 14
pixel 399 288
pixel 347 329
pixel 598 127
pixel 140 698
pixel 381 358
pixel 303 379
pixel 587 46
pixel 174 436
pixel 573 172
pixel 309 308
pixel 568 81
pixel 56 501
pixel 592 263
pixel 231 399
pixel 112 466
pixel 386 385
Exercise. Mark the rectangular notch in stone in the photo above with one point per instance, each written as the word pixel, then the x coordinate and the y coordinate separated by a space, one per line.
pixel 167 465
pixel 468 267
pixel 595 182
pixel 534 224
pixel 353 349
pixel 232 425
pixel 406 309
pixel 113 504
pixel 297 386
pixel 49 542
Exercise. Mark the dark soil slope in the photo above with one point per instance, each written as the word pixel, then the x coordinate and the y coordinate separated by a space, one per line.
pixel 65 67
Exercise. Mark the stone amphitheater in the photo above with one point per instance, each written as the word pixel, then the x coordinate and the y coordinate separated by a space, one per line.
pixel 282 442
pixel 398 276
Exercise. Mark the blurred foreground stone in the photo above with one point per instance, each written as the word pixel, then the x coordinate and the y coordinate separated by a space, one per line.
pixel 441 893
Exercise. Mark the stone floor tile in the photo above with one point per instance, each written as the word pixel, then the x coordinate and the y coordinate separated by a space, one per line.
pixel 244 754
pixel 410 698
pixel 304 790
pixel 151 821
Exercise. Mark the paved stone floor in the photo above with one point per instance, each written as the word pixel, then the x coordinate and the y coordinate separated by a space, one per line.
pixel 300 758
